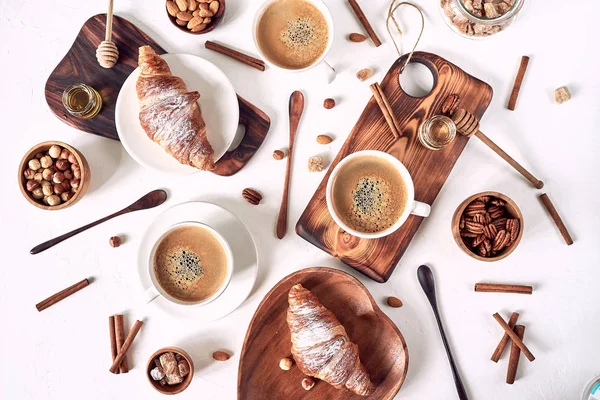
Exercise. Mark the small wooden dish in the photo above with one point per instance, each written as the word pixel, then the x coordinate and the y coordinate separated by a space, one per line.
pixel 42 148
pixel 382 347
pixel 512 210
pixel 170 389
pixel 216 19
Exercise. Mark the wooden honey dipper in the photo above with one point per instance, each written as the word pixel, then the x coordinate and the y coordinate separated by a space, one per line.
pixel 107 52
pixel 468 125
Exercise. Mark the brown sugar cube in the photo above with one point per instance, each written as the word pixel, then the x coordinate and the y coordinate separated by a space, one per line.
pixel 562 94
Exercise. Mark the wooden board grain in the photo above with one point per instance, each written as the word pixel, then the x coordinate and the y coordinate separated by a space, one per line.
pixel 80 66
pixel 377 258
pixel 382 347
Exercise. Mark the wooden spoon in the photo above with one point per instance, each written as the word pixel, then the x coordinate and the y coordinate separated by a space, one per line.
pixel 296 109
pixel 150 200
pixel 428 284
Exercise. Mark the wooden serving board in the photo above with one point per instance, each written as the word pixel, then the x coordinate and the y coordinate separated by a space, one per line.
pixel 429 169
pixel 382 347
pixel 80 66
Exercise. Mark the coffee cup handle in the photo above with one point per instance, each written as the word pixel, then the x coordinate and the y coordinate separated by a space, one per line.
pixel 150 294
pixel 421 209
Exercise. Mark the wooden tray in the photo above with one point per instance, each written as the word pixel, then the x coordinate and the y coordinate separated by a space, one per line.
pixel 80 66
pixel 382 348
pixel 377 258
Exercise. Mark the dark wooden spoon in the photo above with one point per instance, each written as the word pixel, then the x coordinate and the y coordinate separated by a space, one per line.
pixel 296 109
pixel 428 284
pixel 150 200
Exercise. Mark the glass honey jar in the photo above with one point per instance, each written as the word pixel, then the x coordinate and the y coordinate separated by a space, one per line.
pixel 82 100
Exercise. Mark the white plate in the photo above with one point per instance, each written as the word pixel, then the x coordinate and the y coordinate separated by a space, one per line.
pixel 218 103
pixel 245 258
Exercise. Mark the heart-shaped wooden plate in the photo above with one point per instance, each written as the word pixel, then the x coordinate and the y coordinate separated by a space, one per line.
pixel 382 348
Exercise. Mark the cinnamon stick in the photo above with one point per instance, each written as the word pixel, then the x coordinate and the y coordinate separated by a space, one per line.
pixel 556 218
pixel 236 55
pixel 120 338
pixel 63 294
pixel 113 339
pixel 512 101
pixel 502 288
pixel 515 352
pixel 514 337
pixel 126 344
pixel 365 22
pixel 504 341
pixel 386 109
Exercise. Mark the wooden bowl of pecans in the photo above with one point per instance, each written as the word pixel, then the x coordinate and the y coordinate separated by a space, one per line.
pixel 195 16
pixel 170 370
pixel 487 226
pixel 53 175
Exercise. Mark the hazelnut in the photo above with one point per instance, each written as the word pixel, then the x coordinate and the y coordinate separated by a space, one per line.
pixel 72 159
pixel 75 184
pixel 66 185
pixel 46 161
pixel 66 196
pixel 47 174
pixel 53 200
pixel 48 189
pixel 58 177
pixel 54 151
pixel 64 154
pixel 115 241
pixel 278 155
pixel 68 174
pixel 45 183
pixel 38 177
pixel 32 185
pixel 58 188
pixel 39 155
pixel 329 103
pixel 45 199
pixel 29 173
pixel 286 363
pixel 76 171
pixel 34 164
pixel 37 193
pixel 308 383
pixel 62 165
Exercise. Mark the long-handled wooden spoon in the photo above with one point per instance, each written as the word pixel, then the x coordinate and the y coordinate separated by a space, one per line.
pixel 468 125
pixel 428 284
pixel 150 200
pixel 296 109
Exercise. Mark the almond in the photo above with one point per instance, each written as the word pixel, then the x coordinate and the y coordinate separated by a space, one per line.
pixel 199 28
pixel 182 4
pixel 329 103
pixel 207 20
pixel 278 155
pixel 180 22
pixel 357 37
pixel 203 12
pixel 172 8
pixel 194 22
pixel 195 13
pixel 192 5
pixel 184 16
pixel 214 6
pixel 324 139
pixel 221 356
pixel 394 302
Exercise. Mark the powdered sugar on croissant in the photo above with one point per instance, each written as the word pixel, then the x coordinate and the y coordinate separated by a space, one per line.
pixel 169 113
pixel 320 344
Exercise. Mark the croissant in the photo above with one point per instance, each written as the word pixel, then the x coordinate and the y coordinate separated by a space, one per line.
pixel 320 345
pixel 170 114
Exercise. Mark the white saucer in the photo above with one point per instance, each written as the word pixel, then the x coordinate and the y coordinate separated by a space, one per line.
pixel 218 104
pixel 245 258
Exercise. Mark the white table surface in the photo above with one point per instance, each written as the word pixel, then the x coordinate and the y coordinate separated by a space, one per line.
pixel 63 352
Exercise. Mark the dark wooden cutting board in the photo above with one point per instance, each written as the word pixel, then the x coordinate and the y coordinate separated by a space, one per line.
pixel 80 66
pixel 377 258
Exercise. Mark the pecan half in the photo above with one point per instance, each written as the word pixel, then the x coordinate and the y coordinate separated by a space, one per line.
pixel 474 227
pixel 251 196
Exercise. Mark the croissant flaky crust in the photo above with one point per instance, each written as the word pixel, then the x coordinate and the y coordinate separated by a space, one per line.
pixel 170 114
pixel 320 345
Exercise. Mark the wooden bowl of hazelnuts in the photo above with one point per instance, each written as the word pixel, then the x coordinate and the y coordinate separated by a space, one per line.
pixel 53 175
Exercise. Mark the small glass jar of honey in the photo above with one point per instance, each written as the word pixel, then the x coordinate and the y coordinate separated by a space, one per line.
pixel 437 132
pixel 82 100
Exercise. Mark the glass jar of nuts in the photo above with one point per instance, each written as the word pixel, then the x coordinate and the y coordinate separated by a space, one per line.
pixel 479 19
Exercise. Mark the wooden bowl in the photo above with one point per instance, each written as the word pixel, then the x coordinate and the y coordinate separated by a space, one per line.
pixel 381 346
pixel 42 148
pixel 513 212
pixel 170 389
pixel 215 20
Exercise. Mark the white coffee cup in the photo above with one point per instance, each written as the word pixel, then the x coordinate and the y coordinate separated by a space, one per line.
pixel 156 290
pixel 328 18
pixel 412 206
